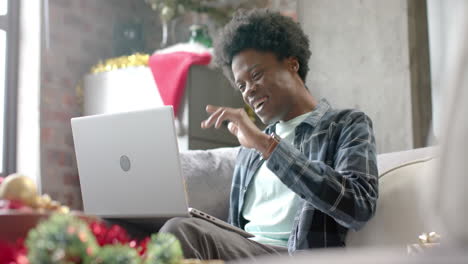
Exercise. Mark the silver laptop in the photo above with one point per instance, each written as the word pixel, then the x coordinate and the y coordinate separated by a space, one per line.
pixel 129 167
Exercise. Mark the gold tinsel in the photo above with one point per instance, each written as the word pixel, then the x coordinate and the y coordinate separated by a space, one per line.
pixel 135 60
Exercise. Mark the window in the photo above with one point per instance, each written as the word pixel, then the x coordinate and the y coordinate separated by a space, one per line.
pixel 9 20
pixel 3 7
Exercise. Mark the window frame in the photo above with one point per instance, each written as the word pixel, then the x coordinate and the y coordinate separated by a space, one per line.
pixel 10 24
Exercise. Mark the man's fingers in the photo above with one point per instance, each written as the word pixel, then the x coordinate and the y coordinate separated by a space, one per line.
pixel 233 128
pixel 222 117
pixel 228 114
pixel 218 115
pixel 212 118
pixel 212 108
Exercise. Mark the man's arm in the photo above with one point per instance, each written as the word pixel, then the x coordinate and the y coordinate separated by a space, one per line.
pixel 349 192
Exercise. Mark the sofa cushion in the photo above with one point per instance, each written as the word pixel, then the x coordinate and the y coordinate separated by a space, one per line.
pixel 399 218
pixel 208 175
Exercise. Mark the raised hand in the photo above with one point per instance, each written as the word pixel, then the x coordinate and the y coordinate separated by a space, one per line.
pixel 239 125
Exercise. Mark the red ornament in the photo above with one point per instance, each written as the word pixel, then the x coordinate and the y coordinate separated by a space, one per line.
pixel 12 204
pixel 99 230
pixel 133 244
pixel 143 246
pixel 22 259
pixel 116 235
pixel 13 253
pixel 7 253
pixel 106 236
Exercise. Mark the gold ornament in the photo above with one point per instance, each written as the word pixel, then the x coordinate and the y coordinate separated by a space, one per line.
pixel 20 188
pixel 429 238
pixel 42 201
pixel 63 209
pixel 45 203
pixel 53 205
pixel 427 241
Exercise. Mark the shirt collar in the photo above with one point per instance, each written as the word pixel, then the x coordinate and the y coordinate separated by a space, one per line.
pixel 322 107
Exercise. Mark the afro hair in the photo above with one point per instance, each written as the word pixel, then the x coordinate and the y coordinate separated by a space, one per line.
pixel 262 30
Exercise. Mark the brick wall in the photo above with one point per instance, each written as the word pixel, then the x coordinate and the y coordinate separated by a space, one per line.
pixel 80 35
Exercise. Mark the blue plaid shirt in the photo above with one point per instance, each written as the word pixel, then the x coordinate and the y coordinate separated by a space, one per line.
pixel 332 166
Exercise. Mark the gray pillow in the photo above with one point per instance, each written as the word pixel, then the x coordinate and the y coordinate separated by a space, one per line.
pixel 208 175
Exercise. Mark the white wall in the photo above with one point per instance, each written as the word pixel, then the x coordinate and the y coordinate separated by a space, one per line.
pixel 444 17
pixel 360 60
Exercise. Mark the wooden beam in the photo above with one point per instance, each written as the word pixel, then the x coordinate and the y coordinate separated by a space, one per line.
pixel 420 71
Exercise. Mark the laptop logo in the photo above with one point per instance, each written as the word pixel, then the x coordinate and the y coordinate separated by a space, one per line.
pixel 125 163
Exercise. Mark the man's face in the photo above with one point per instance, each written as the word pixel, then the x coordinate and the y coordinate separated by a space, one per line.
pixel 267 84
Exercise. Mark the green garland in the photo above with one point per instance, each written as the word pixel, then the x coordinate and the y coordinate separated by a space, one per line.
pixel 117 254
pixel 61 239
pixel 163 248
pixel 66 239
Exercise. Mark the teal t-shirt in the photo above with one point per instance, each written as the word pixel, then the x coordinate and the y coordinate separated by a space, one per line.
pixel 270 206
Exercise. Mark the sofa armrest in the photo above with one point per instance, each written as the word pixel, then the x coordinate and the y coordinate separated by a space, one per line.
pixel 389 161
pixel 208 175
pixel 399 217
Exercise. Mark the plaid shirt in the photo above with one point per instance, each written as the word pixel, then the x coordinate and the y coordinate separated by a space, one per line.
pixel 332 166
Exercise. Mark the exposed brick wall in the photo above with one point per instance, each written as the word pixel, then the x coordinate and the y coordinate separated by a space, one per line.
pixel 80 36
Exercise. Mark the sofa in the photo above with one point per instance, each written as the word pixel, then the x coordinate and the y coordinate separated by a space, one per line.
pixel 399 218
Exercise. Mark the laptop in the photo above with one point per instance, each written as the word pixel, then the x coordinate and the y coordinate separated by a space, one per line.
pixel 129 167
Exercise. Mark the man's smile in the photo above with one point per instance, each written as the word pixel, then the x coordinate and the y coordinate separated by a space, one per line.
pixel 259 103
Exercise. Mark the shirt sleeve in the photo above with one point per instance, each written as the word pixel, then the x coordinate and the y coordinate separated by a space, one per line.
pixel 349 191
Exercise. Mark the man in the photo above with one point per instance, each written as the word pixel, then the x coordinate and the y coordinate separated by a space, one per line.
pixel 305 180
